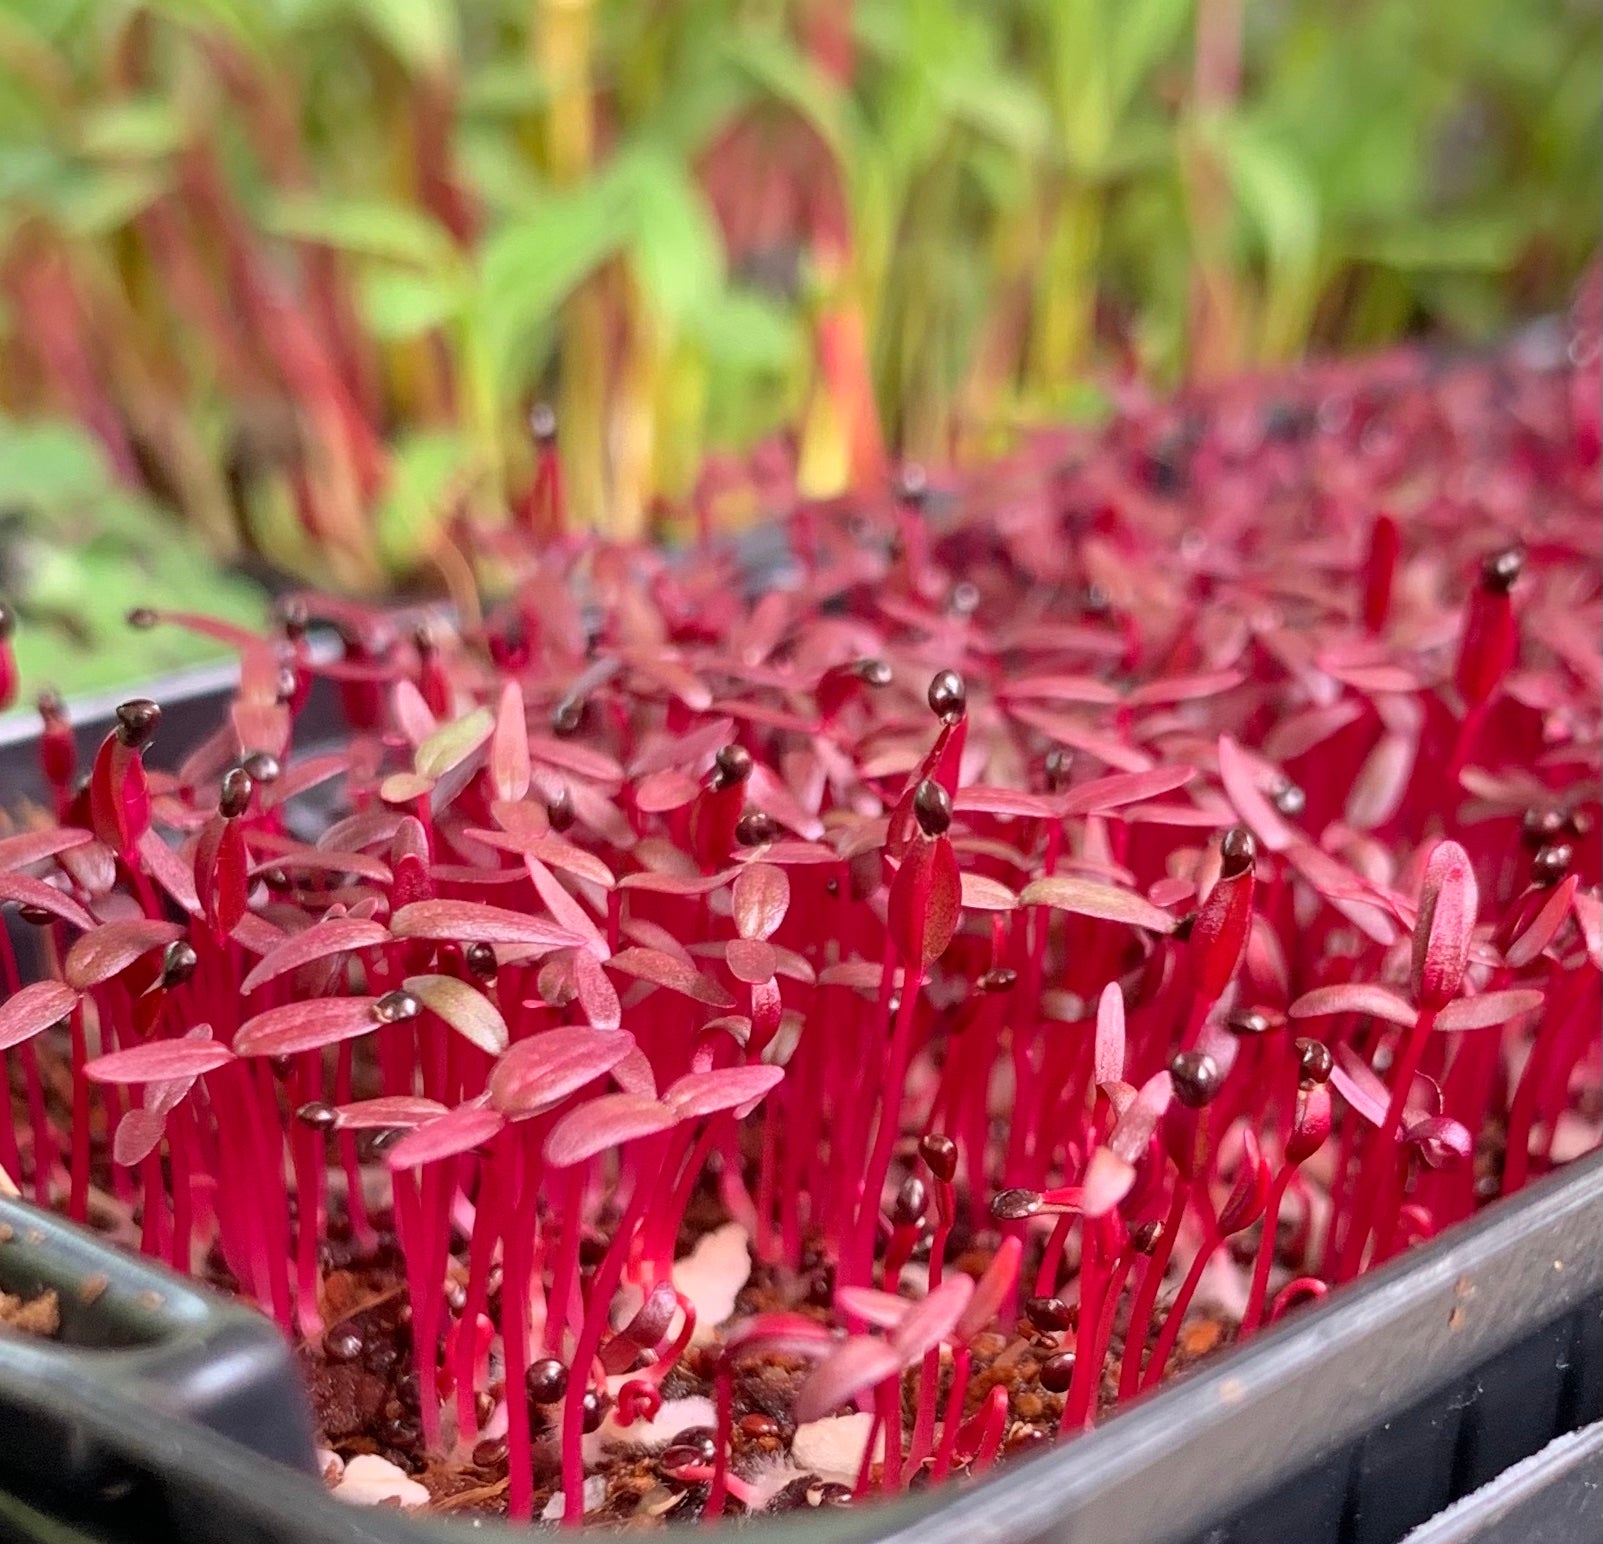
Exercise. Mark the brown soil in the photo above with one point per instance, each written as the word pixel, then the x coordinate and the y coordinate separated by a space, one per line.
pixel 40 1315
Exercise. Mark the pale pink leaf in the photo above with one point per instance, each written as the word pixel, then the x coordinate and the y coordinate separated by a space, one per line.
pixel 1108 1057
pixel 1089 898
pixel 932 1319
pixel 27 891
pixel 1139 1119
pixel 665 971
pixel 458 921
pixel 466 1009
pixel 1448 901
pixel 159 1060
pixel 993 1289
pixel 389 1112
pixel 30 847
pixel 306 1026
pixel 413 716
pixel 1355 1080
pixel 982 893
pixel 539 1073
pixel 723 1088
pixel 597 995
pixel 1009 803
pixel 1489 1009
pixel 113 947
pixel 34 1009
pixel 1377 1002
pixel 457 1131
pixel 1110 793
pixel 509 746
pixel 1378 790
pixel 759 899
pixel 606 1122
pixel 751 960
pixel 334 935
pixel 854 1367
pixel 1544 926
pixel 1108 1180
pixel 1240 779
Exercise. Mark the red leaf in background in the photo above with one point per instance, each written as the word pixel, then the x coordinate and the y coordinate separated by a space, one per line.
pixel 457 1131
pixel 112 947
pixel 306 1026
pixel 334 935
pixel 1355 997
pixel 387 1113
pixel 35 1008
pixel 1090 898
pixel 1250 1193
pixel 456 921
pixel 220 869
pixel 723 1088
pixel 979 892
pixel 35 892
pixel 540 1072
pixel 609 1121
pixel 31 847
pixel 1187 688
pixel 1489 1009
pixel 992 1290
pixel 1355 1080
pixel 1448 901
pixel 664 791
pixel 1007 802
pixel 669 751
pixel 170 871
pixel 675 975
pixel 926 899
pixel 932 1319
pixel 1544 926
pixel 1139 1119
pixel 1240 779
pixel 759 900
pixel 293 857
pixel 160 1060
pixel 564 908
pixel 854 1367
pixel 413 717
pixel 1108 1180
pixel 585 763
pixel 1444 1143
pixel 677 884
pixel 1108 1055
pixel 509 746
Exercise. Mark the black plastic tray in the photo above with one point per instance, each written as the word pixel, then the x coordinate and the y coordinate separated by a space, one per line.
pixel 1351 1423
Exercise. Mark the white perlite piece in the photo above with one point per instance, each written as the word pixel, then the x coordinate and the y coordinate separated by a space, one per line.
pixel 369 1479
pixel 712 1275
pixel 595 1492
pixel 676 1415
pixel 833 1447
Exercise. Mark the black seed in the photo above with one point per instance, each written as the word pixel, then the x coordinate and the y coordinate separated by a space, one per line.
pixel 932 807
pixel 1057 1373
pixel 394 1006
pixel 1197 1079
pixel 1237 852
pixel 137 721
pixel 567 716
pixel 317 1115
pixel 543 423
pixel 1012 1205
pixel 559 810
pixel 912 485
pixel 1249 1022
pixel 1059 764
pixel 263 766
pixel 480 961
pixel 1183 927
pixel 546 1381
pixel 490 1454
pixel 939 1152
pixel 593 1410
pixel 343 1343
pixel 1314 1061
pixel 1288 798
pixel 872 672
pixel 755 828
pixel 912 1201
pixel 732 765
pixel 1000 978
pixel 1144 1239
pixel 178 963
pixel 948 696
pixel 1551 864
pixel 1540 824
pixel 236 794
pixel 143 618
pixel 965 599
pixel 1500 571
pixel 35 916
pixel 1050 1315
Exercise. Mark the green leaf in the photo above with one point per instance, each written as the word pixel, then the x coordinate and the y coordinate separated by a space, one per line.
pixel 426 468
pixel 675 243
pixel 49 464
pixel 398 305
pixel 139 129
pixel 423 34
pixel 96 203
pixel 1144 34
pixel 1462 244
pixel 1275 191
pixel 369 228
pixel 744 330
pixel 786 74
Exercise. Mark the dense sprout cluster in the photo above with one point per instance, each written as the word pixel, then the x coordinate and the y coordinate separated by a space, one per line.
pixel 1156 876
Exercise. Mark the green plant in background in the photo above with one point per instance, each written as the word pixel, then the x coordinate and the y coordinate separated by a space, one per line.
pixel 301 267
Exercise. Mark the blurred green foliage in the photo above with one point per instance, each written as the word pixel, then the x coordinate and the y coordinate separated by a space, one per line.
pixel 301 266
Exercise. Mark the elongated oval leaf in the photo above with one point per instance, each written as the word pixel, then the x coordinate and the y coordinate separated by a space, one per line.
pixel 751 960
pixel 759 899
pixel 1448 901
pixel 113 947
pixel 1108 1057
pixel 665 971
pixel 982 893
pixel 724 1088
pixel 1355 997
pixel 1090 898
pixel 457 1131
pixel 932 1319
pixel 540 1072
pixel 388 1113
pixel 334 935
pixel 160 1060
pixel 1108 1179
pixel 1355 1080
pixel 1544 926
pixel 466 1009
pixel 26 891
pixel 473 921
pixel 856 1366
pixel 1241 788
pixel 1139 1119
pixel 307 1026
pixel 609 1121
pixel 30 847
pixel 1488 1009
pixel 992 1290
pixel 1111 793
pixel 35 1008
